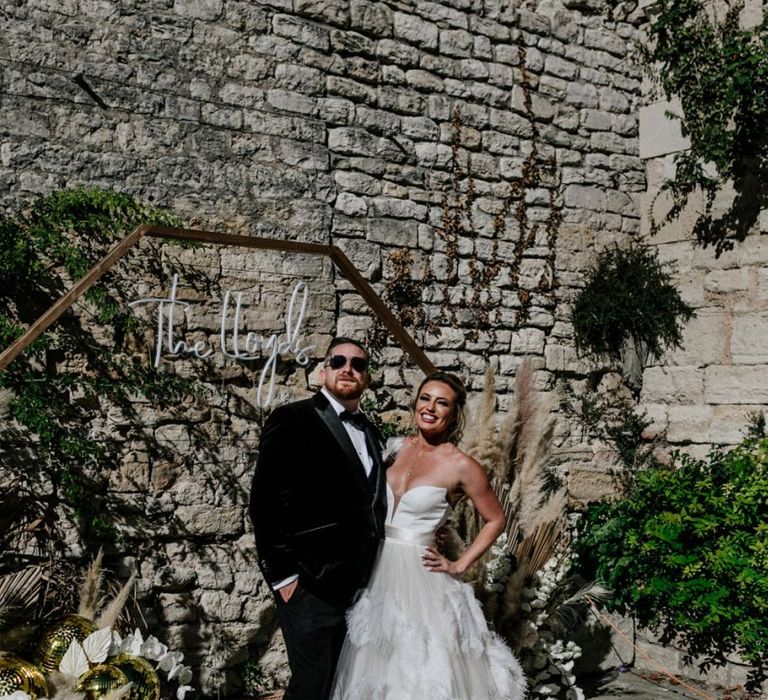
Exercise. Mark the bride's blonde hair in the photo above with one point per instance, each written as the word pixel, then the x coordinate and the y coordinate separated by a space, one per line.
pixel 456 425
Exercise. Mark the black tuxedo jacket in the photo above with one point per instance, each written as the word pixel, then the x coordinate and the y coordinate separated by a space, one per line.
pixel 315 512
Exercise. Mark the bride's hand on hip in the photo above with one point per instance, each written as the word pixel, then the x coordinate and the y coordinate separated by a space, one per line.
pixel 434 561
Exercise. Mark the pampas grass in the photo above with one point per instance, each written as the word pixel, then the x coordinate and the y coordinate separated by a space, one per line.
pixel 517 456
pixel 90 589
pixel 112 612
pixel 529 442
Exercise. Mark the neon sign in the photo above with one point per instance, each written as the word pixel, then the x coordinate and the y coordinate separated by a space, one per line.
pixel 233 343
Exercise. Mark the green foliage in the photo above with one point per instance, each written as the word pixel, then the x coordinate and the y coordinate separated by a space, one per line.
pixel 720 73
pixel 628 295
pixel 253 678
pixel 79 370
pixel 686 552
pixel 614 419
pixel 373 405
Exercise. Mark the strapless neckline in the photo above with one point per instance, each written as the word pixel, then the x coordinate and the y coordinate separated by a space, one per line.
pixel 413 488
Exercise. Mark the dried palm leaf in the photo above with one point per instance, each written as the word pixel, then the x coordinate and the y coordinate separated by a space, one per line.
pixel 19 592
pixel 537 548
pixel 90 590
pixel 568 613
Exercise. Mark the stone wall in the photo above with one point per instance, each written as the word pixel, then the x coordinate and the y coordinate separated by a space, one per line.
pixel 347 122
pixel 705 392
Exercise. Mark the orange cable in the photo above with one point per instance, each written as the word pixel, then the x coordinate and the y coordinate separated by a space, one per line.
pixel 658 666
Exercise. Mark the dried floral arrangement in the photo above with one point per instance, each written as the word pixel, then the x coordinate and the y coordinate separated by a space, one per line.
pixel 82 655
pixel 525 580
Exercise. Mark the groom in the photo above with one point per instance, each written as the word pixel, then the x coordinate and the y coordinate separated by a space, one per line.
pixel 318 505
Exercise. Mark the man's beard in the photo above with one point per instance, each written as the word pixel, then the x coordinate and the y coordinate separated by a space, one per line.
pixel 351 389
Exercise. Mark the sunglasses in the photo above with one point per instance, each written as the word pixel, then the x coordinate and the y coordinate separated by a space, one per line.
pixel 359 364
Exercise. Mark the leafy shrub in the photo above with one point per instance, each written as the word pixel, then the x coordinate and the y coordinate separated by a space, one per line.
pixel 629 295
pixel 686 553
pixel 56 388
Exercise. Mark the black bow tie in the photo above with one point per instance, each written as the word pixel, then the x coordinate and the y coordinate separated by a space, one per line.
pixel 357 419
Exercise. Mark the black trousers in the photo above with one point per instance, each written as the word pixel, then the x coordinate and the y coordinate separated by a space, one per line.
pixel 313 631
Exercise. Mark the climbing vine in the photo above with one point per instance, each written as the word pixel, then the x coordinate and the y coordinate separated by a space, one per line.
pixel 719 71
pixel 472 257
pixel 57 392
pixel 484 300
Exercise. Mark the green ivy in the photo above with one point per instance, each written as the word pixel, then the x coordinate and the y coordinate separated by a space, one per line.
pixel 628 295
pixel 70 375
pixel 719 71
pixel 686 553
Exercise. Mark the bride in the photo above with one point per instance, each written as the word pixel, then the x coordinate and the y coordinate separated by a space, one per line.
pixel 417 631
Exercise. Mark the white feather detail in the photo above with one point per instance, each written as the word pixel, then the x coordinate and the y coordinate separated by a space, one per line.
pixel 74 662
pixel 391 449
pixel 96 645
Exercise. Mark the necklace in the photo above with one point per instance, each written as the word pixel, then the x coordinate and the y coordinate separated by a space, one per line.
pixel 409 472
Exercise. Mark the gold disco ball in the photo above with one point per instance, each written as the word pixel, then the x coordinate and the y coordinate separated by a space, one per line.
pixel 55 639
pixel 18 674
pixel 146 683
pixel 100 681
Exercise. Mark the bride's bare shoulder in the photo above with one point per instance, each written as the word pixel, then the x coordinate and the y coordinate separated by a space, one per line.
pixel 460 460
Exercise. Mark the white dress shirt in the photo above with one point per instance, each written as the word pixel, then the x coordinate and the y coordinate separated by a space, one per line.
pixel 355 433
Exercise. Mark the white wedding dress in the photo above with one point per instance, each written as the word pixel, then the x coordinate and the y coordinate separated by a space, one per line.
pixel 416 634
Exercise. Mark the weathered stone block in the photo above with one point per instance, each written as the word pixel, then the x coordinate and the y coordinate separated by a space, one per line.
pixel 443 13
pixel 528 341
pixel 397 208
pixel 729 423
pixel 605 41
pixel 659 134
pixel 220 607
pixel 587 484
pixel 727 281
pixel 396 232
pixel 351 205
pixel 581 95
pixel 208 520
pixel 749 338
pixel 456 42
pixel 415 30
pixel 488 27
pixel 331 11
pixel 736 385
pixel 377 120
pixel 399 53
pixel 689 424
pixel 298 78
pixel 372 17
pixel 401 101
pixel 483 48
pixel 176 608
pixel 561 68
pixel 174 578
pixel 673 385
pixel 198 9
pixel 301 31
